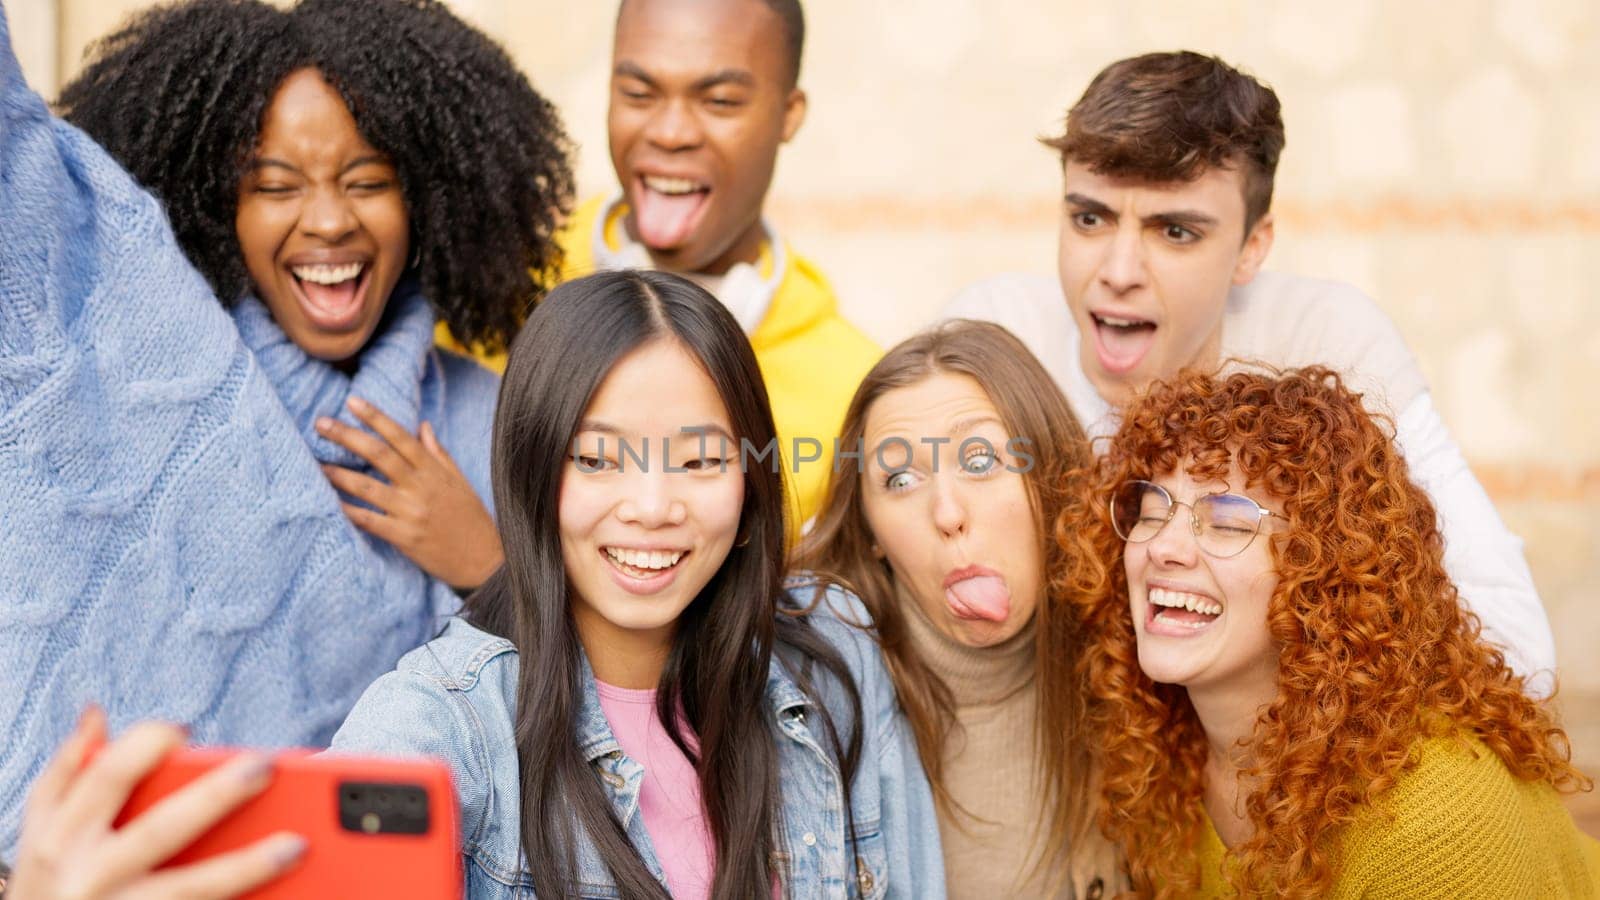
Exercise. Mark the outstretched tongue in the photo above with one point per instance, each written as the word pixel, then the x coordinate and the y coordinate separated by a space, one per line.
pixel 981 597
pixel 665 220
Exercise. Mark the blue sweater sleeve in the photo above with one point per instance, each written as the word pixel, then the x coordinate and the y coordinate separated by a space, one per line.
pixel 168 546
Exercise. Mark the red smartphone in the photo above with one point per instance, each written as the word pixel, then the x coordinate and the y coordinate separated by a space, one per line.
pixel 375 828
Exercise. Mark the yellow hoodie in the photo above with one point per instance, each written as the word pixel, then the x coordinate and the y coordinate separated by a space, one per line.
pixel 811 358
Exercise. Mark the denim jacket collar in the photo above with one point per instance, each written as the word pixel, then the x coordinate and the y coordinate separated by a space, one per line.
pixel 783 695
pixel 594 732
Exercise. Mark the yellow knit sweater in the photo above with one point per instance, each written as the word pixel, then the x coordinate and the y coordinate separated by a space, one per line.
pixel 1457 826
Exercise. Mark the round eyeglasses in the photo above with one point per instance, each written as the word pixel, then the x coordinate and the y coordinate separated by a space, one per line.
pixel 1223 524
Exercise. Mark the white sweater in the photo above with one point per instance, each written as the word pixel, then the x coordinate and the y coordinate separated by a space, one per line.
pixel 1290 321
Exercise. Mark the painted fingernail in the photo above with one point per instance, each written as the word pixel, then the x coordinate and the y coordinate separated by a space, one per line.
pixel 287 850
pixel 358 404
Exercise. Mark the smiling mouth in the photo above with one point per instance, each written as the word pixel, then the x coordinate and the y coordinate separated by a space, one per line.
pixel 642 565
pixel 666 210
pixel 1183 609
pixel 332 294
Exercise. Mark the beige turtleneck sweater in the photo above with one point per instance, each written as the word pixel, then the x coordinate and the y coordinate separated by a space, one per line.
pixel 991 764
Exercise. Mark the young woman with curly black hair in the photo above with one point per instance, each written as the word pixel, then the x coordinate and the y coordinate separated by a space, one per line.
pixel 343 173
pixel 338 175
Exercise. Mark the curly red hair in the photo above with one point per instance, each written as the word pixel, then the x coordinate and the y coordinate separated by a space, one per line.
pixel 1376 651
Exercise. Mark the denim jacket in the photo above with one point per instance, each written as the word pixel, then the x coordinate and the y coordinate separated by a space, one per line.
pixel 455 698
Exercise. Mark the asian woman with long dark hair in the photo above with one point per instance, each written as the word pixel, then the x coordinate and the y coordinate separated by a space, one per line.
pixel 634 705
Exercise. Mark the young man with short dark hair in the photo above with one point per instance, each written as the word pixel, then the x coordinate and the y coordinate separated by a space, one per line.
pixel 1168 162
pixel 703 93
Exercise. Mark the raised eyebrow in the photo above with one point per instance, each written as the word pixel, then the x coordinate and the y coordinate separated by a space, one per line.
pixel 968 425
pixel 597 425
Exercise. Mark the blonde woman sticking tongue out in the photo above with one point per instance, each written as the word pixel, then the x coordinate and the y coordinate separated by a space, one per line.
pixel 940 527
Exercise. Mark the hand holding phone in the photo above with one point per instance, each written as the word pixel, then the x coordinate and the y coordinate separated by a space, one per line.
pixel 71 848
pixel 375 829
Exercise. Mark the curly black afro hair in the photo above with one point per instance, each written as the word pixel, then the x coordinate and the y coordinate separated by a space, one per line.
pixel 177 96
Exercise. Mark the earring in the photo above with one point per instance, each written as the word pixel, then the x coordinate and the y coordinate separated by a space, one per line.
pixel 877 552
pixel 741 542
pixel 416 257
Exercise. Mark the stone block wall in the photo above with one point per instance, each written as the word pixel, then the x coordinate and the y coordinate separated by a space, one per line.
pixel 1443 156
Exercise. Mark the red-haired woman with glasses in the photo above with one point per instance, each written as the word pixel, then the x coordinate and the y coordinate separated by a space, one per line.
pixel 1288 697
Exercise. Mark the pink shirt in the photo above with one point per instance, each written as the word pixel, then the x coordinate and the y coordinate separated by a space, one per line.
pixel 669 798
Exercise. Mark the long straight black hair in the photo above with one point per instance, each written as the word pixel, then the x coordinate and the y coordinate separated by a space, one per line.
pixel 725 640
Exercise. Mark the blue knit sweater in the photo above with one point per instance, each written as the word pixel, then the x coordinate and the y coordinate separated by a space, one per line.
pixel 168 545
